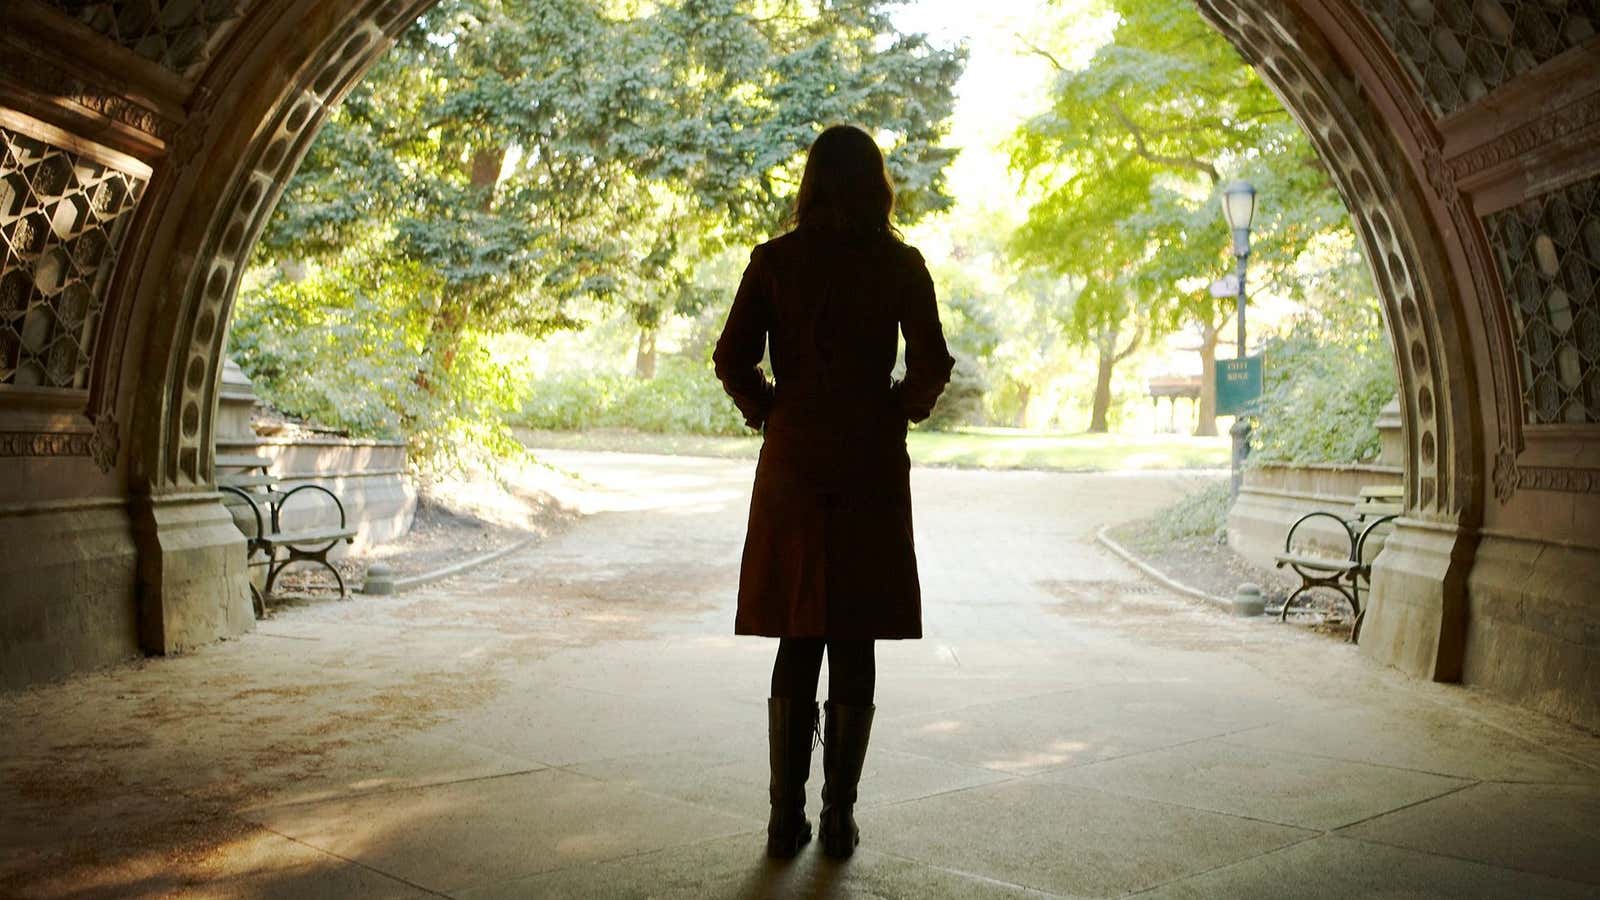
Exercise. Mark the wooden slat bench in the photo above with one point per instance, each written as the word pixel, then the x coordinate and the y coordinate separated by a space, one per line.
pixel 1350 574
pixel 246 485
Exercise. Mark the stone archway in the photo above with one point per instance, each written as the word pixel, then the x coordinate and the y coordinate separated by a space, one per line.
pixel 1428 146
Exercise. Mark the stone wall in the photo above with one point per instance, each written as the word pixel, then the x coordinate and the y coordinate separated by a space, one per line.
pixel 368 476
pixel 1274 495
pixel 67 588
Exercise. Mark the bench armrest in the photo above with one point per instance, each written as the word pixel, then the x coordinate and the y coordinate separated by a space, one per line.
pixel 1361 540
pixel 255 510
pixel 1344 525
pixel 277 510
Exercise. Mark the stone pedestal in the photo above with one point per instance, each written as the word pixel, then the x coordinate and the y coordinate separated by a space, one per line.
pixel 193 583
pixel 1416 614
pixel 236 405
pixel 1391 435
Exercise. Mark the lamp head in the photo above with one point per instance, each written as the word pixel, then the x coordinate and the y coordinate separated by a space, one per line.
pixel 1238 210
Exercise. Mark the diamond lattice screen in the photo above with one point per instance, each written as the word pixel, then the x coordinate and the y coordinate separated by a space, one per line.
pixel 1458 51
pixel 61 220
pixel 178 34
pixel 1549 255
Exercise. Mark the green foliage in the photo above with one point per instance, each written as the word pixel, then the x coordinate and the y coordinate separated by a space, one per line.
pixel 1127 164
pixel 514 158
pixel 1201 513
pixel 683 398
pixel 347 344
pixel 1325 382
pixel 962 400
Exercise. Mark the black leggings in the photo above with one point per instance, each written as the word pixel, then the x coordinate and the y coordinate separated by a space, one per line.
pixel 852 671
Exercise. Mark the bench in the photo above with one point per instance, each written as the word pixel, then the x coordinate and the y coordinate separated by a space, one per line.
pixel 1351 573
pixel 259 501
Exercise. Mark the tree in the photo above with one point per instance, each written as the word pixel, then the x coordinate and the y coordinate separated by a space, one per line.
pixel 524 155
pixel 1127 162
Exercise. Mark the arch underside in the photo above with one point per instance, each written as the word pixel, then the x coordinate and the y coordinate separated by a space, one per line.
pixel 144 153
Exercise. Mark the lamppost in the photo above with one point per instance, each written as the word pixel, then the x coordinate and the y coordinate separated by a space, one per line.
pixel 1238 209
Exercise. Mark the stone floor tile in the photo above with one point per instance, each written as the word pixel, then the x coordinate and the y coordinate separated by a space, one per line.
pixel 401 761
pixel 453 836
pixel 735 778
pixel 736 868
pixel 1549 829
pixel 1070 728
pixel 559 726
pixel 1054 838
pixel 1334 868
pixel 1307 792
pixel 1420 737
pixel 251 862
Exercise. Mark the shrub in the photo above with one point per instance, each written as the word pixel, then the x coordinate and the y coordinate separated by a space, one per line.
pixel 1322 391
pixel 962 400
pixel 1203 513
pixel 683 398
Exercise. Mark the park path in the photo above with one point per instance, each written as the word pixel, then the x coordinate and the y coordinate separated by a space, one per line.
pixel 577 720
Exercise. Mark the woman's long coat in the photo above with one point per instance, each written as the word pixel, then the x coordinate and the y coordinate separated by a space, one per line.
pixel 829 548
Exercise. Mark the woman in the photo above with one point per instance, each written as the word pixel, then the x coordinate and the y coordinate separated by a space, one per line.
pixel 828 557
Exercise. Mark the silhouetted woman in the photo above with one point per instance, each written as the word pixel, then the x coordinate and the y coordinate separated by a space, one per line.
pixel 828 558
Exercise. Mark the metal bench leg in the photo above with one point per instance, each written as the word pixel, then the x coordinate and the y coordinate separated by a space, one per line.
pixel 320 557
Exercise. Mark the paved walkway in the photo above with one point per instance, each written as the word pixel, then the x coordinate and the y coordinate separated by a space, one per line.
pixel 577 721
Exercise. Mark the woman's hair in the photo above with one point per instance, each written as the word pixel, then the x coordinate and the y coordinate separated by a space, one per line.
pixel 845 185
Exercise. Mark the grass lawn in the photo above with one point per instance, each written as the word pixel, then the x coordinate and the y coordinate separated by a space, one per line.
pixel 985 448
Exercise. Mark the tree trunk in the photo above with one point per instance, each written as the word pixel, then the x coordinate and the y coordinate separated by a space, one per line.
pixel 485 174
pixel 1098 423
pixel 1205 424
pixel 1106 343
pixel 1024 397
pixel 644 359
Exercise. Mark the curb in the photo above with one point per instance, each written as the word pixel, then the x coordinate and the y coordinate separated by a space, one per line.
pixel 401 585
pixel 1103 536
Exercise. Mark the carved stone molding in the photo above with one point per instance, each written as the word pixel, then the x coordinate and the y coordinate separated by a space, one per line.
pixel 45 443
pixel 1558 124
pixel 1554 478
pixel 1441 177
pixel 44 78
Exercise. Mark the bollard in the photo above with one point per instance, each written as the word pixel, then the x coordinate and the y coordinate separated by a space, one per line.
pixel 1247 600
pixel 379 580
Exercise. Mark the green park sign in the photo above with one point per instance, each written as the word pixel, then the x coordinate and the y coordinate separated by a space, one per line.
pixel 1238 385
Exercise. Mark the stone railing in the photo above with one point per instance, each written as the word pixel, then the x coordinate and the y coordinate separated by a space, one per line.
pixel 369 476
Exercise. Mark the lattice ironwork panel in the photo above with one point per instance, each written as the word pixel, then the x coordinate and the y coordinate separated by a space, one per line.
pixel 1549 255
pixel 1458 51
pixel 178 34
pixel 62 217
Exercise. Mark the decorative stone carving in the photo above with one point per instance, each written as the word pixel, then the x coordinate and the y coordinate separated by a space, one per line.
pixel 1440 177
pixel 179 35
pixel 62 220
pixel 1457 52
pixel 1548 252
pixel 1505 474
pixel 104 444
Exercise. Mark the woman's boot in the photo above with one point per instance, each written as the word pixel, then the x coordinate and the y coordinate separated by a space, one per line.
pixel 790 725
pixel 844 751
